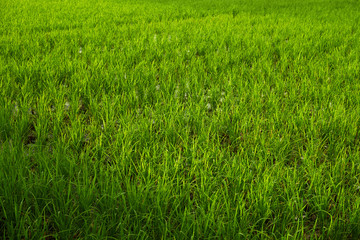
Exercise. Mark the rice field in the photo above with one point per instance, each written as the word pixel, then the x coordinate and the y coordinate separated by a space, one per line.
pixel 164 119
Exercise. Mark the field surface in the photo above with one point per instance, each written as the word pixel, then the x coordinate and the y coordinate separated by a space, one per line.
pixel 179 119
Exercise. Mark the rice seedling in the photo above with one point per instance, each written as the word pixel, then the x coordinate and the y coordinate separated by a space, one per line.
pixel 163 119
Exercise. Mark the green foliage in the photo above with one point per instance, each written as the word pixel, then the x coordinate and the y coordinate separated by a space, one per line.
pixel 163 119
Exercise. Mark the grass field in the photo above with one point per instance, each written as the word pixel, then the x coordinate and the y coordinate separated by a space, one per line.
pixel 164 119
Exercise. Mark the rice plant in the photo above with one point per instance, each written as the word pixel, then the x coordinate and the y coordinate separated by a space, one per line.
pixel 164 119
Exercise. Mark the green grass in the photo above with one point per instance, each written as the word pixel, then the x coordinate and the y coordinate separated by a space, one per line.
pixel 183 119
